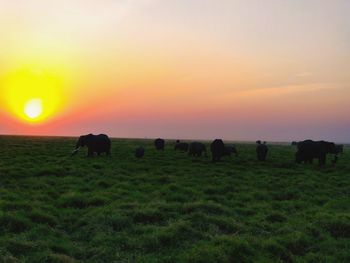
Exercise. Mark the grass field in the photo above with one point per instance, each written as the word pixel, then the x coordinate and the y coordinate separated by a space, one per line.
pixel 168 207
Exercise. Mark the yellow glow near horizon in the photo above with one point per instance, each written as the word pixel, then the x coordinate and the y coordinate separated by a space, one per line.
pixel 33 95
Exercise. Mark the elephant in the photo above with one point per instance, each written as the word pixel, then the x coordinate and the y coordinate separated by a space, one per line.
pixel 159 144
pixel 182 146
pixel 230 149
pixel 196 149
pixel 139 152
pixel 309 150
pixel 217 149
pixel 261 151
pixel 95 144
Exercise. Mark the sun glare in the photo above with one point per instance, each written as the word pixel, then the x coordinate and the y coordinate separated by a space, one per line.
pixel 33 108
pixel 33 95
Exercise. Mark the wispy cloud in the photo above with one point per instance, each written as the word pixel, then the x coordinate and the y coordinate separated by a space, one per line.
pixel 303 74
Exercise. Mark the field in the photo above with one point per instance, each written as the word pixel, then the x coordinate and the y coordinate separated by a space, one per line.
pixel 168 207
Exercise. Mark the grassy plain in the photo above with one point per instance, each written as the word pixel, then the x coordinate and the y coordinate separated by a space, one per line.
pixel 168 207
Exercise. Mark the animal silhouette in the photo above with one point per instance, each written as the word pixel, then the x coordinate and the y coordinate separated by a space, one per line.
pixel 261 151
pixel 217 149
pixel 159 144
pixel 95 144
pixel 309 150
pixel 139 152
pixel 181 146
pixel 197 149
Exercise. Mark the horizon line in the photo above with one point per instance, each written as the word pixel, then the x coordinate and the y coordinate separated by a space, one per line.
pixel 152 138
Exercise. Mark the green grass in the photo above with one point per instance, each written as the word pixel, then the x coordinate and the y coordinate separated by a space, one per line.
pixel 168 207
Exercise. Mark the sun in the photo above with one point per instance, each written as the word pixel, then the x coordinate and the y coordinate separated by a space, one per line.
pixel 33 108
pixel 33 95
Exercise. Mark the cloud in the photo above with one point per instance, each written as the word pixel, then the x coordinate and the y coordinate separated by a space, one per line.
pixel 303 74
pixel 307 87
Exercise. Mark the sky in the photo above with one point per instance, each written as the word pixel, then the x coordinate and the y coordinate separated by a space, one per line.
pixel 198 69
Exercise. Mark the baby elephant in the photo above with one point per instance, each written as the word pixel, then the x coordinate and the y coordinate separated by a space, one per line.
pixel 230 149
pixel 139 152
pixel 181 146
pixel 196 149
pixel 159 144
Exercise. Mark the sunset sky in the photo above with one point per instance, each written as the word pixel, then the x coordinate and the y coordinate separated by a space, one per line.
pixel 233 69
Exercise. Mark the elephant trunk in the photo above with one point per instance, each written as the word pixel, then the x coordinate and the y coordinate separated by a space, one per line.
pixel 75 150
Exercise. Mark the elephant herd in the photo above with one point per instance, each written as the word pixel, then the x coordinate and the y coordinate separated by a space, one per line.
pixel 306 150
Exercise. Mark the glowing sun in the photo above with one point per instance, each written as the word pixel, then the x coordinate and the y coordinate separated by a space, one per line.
pixel 33 95
pixel 33 108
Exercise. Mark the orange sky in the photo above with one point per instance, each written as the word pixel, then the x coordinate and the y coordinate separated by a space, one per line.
pixel 242 70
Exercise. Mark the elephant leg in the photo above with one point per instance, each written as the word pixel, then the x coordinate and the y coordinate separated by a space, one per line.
pixel 322 160
pixel 308 160
pixel 90 153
